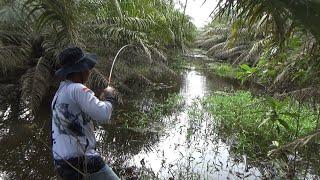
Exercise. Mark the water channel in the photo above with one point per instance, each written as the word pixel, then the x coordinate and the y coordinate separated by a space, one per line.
pixel 183 145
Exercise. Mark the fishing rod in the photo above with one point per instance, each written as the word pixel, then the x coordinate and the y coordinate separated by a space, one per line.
pixel 114 60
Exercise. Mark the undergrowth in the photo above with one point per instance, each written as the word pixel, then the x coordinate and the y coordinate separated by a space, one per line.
pixel 260 123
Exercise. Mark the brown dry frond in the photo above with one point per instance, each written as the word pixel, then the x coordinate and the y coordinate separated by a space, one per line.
pixel 97 80
pixel 35 83
pixel 301 95
pixel 300 142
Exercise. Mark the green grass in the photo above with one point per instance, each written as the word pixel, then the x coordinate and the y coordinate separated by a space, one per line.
pixel 259 123
pixel 223 70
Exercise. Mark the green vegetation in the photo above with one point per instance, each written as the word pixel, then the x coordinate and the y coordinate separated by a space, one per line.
pixel 262 121
pixel 274 43
pixel 154 113
pixel 270 40
pixel 222 70
pixel 33 32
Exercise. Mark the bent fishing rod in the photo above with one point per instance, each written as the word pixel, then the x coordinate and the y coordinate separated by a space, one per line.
pixel 114 60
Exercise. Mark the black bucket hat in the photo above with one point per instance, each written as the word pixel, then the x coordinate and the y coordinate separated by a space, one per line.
pixel 73 59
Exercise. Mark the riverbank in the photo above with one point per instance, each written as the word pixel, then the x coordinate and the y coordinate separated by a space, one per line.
pixel 262 125
pixel 202 127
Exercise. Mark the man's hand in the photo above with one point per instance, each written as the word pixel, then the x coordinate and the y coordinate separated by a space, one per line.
pixel 109 94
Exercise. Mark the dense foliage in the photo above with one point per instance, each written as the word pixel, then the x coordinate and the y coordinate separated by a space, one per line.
pixel 278 41
pixel 260 125
pixel 33 32
pixel 273 43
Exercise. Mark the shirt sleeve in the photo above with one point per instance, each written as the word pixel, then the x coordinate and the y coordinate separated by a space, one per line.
pixel 98 110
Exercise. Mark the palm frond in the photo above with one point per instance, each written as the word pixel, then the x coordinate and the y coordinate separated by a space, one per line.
pixel 274 14
pixel 11 58
pixel 146 50
pixel 254 52
pixel 215 31
pixel 231 53
pixel 157 54
pixel 297 143
pixel 212 41
pixel 241 58
pixel 97 80
pixel 216 48
pixel 309 94
pixel 118 8
pixel 59 18
pixel 134 23
pixel 35 83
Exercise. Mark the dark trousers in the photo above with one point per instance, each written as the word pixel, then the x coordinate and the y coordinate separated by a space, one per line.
pixel 86 165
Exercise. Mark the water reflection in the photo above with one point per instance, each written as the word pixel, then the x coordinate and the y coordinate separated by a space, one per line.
pixel 176 149
pixel 189 148
pixel 21 155
pixel 184 145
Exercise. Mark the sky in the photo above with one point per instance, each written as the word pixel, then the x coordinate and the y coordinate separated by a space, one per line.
pixel 199 13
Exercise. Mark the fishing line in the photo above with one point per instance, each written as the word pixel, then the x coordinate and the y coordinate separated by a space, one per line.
pixel 109 81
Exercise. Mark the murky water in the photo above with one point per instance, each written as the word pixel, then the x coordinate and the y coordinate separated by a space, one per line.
pixel 189 148
pixel 184 145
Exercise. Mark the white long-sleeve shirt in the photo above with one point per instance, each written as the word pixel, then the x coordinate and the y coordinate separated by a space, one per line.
pixel 74 108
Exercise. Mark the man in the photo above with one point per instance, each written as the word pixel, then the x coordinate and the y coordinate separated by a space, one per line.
pixel 74 108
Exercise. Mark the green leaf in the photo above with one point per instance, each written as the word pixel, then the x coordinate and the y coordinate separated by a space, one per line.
pixel 283 123
pixel 245 67
pixel 264 121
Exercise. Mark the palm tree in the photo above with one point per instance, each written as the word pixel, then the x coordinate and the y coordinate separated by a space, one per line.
pixel 277 13
pixel 236 46
pixel 33 32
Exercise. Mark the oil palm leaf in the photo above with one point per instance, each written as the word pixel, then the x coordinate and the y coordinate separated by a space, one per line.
pixel 232 53
pixel 212 41
pixel 60 19
pixel 216 48
pixel 97 80
pixel 35 83
pixel 254 52
pixel 11 58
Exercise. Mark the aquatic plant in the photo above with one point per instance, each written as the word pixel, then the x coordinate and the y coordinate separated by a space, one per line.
pixel 153 112
pixel 263 118
pixel 264 126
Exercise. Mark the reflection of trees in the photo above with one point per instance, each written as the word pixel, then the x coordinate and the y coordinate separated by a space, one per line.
pixel 21 155
pixel 120 144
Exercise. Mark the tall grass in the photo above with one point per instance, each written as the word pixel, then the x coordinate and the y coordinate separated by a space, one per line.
pixel 260 123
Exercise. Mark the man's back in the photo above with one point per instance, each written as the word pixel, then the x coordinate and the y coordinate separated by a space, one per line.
pixel 74 108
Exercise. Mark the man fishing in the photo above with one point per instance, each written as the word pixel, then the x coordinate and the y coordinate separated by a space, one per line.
pixel 74 108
